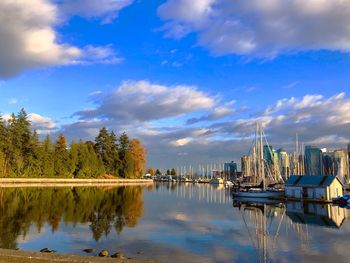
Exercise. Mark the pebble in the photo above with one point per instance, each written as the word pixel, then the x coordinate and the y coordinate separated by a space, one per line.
pixel 46 250
pixel 103 253
pixel 118 255
pixel 89 250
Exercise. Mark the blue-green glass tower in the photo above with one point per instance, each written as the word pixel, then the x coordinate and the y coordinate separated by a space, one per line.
pixel 313 160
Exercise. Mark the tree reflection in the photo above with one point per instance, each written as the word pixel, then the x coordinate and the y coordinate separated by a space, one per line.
pixel 102 208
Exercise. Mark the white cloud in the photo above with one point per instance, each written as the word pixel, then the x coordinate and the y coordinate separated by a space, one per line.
pixel 181 142
pixel 145 101
pixel 38 122
pixel 216 113
pixel 106 9
pixel 312 116
pixel 12 101
pixel 260 28
pixel 41 124
pixel 136 107
pixel 28 39
pixel 100 55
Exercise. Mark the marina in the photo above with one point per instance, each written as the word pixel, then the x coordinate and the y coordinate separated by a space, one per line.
pixel 174 131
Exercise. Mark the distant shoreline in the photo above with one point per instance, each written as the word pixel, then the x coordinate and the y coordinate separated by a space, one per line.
pixel 64 182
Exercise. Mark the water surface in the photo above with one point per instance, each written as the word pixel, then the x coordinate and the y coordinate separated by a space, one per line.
pixel 172 223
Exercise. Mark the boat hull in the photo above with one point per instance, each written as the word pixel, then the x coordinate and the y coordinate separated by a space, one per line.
pixel 262 194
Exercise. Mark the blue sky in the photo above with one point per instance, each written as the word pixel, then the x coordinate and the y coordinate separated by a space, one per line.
pixel 188 77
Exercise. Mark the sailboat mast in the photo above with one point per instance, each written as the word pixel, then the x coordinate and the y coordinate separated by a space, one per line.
pixel 297 153
pixel 256 155
pixel 262 166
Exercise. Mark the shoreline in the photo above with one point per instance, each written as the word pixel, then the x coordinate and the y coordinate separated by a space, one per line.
pixel 64 182
pixel 20 256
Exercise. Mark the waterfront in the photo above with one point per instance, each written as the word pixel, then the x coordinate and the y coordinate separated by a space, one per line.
pixel 171 223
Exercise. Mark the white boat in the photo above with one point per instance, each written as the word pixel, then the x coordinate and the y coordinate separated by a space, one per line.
pixel 217 180
pixel 228 184
pixel 258 193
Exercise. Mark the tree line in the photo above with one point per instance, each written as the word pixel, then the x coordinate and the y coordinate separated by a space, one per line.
pixel 157 172
pixel 23 154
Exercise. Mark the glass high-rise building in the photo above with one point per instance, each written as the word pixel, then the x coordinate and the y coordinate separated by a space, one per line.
pixel 284 163
pixel 313 160
pixel 230 170
pixel 341 165
pixel 328 163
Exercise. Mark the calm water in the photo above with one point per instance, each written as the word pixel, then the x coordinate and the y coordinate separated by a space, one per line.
pixel 172 223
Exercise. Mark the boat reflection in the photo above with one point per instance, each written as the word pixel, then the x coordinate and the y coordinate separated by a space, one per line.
pixel 264 220
pixel 261 213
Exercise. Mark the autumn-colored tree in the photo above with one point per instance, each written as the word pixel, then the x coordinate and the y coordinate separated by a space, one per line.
pixel 151 171
pixel 138 154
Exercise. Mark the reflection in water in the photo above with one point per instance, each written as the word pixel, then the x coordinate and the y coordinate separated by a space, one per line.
pixel 263 213
pixel 262 216
pixel 207 193
pixel 172 223
pixel 101 208
pixel 326 215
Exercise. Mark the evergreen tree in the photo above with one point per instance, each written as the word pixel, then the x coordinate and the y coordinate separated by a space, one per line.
pixel 107 151
pixel 85 161
pixel 3 146
pixel 33 157
pixel 126 162
pixel 62 159
pixel 47 165
pixel 173 172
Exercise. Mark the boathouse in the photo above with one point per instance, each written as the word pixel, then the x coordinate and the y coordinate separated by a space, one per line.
pixel 317 188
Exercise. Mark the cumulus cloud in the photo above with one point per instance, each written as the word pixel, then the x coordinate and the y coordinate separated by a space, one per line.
pixel 38 122
pixel 144 101
pixel 315 118
pixel 28 39
pixel 260 28
pixel 217 113
pixel 106 9
pixel 42 124
pixel 136 107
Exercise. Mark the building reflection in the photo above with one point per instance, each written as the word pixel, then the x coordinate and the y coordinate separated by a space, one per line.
pixel 265 219
pixel 325 215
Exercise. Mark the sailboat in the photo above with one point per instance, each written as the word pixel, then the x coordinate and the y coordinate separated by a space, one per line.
pixel 259 168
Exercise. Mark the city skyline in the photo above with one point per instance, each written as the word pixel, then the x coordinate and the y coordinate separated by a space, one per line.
pixel 192 90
